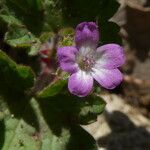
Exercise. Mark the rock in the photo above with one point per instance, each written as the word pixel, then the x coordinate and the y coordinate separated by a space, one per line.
pixel 134 19
pixel 120 127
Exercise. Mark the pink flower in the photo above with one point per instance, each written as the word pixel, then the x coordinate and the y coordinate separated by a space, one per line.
pixel 46 60
pixel 85 62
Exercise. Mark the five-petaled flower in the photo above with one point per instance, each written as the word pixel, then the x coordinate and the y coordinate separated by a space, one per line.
pixel 85 62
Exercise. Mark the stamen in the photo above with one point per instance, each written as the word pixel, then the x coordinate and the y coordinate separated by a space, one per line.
pixel 86 62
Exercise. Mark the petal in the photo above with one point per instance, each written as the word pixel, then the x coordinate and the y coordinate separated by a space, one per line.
pixel 87 34
pixel 108 79
pixel 80 83
pixel 67 58
pixel 110 56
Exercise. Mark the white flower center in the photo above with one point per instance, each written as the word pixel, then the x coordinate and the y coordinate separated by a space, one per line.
pixel 86 59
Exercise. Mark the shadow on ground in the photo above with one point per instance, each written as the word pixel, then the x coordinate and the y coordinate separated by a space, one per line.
pixel 125 135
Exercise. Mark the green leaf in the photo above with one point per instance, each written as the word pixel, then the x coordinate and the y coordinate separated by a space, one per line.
pixel 81 110
pixel 19 135
pixel 23 12
pixel 53 89
pixel 86 142
pixel 39 127
pixel 14 78
pixel 27 20
pixel 10 19
pixel 91 109
pixel 17 132
pixel 53 17
pixel 24 25
pixel 110 31
pixel 60 133
pixel 20 37
pixel 33 17
pixel 34 49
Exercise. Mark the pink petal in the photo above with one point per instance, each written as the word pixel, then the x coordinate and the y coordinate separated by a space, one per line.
pixel 108 79
pixel 87 35
pixel 67 58
pixel 80 83
pixel 110 56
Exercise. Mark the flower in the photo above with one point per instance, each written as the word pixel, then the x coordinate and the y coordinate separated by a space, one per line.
pixel 85 62
pixel 45 54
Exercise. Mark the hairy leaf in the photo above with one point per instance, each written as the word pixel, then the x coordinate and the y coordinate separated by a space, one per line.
pixel 78 110
pixel 14 78
pixel 53 89
pixel 37 129
pixel 20 37
pixel 33 17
